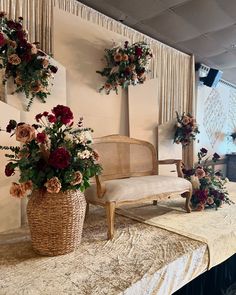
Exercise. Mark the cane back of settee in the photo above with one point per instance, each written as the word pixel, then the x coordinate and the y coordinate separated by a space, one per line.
pixel 122 156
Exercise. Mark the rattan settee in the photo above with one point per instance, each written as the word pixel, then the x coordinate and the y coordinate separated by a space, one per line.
pixel 130 175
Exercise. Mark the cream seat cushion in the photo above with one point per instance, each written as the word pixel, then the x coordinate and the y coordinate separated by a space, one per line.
pixel 137 188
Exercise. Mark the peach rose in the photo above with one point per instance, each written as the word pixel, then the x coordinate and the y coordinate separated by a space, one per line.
pixel 125 57
pixel 107 86
pixel 34 49
pixel 11 43
pixel 18 81
pixel 36 87
pixel 77 179
pixel 45 62
pixel 28 185
pixel 210 201
pixel 117 57
pixel 14 59
pixel 17 190
pixel 25 133
pixel 200 173
pixel 53 185
pixel 186 120
pixel 200 207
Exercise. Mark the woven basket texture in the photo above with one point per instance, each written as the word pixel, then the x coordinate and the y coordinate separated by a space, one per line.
pixel 56 221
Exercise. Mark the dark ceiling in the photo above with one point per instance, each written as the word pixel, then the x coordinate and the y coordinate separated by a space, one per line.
pixel 206 28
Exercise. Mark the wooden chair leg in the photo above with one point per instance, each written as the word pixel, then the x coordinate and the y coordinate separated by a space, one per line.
pixel 188 196
pixel 110 210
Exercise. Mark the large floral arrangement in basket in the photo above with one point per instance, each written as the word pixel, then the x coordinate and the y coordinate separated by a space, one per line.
pixel 125 65
pixel 209 187
pixel 23 61
pixel 54 155
pixel 186 129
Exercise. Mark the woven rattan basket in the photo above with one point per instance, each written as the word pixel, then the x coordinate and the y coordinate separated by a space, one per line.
pixel 56 221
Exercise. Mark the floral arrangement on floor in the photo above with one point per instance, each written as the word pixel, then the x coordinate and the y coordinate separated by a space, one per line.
pixel 186 129
pixel 209 190
pixel 23 61
pixel 53 156
pixel 126 65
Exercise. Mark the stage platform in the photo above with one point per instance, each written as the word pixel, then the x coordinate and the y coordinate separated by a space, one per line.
pixel 141 260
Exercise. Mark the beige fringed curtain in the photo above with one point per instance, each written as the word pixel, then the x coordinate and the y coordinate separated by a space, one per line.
pixel 38 19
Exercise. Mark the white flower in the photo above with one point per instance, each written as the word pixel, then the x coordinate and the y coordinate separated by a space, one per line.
pixel 88 136
pixel 179 125
pixel 195 182
pixel 68 136
pixel 84 137
pixel 84 155
pixel 81 138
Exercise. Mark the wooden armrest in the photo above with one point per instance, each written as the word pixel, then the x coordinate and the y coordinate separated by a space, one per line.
pixel 101 189
pixel 178 164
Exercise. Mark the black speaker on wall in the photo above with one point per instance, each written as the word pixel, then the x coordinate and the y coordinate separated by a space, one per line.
pixel 212 78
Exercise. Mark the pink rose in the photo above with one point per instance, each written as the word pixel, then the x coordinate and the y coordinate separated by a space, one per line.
pixel 200 173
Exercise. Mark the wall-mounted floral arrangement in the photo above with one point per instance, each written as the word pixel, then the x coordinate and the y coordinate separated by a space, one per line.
pixel 23 61
pixel 186 129
pixel 125 66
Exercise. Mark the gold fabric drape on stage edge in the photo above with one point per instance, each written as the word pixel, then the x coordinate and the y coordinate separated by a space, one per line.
pixel 38 19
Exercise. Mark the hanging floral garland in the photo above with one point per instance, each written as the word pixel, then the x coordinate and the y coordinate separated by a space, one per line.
pixel 23 61
pixel 126 65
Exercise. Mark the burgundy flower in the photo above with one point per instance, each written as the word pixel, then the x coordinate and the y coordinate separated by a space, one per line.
pixel 9 169
pixel 38 117
pixel 11 126
pixel 201 195
pixel 203 151
pixel 45 114
pixel 63 114
pixel 11 24
pixel 59 158
pixel 2 40
pixel 26 57
pixel 21 36
pixel 53 69
pixel 20 18
pixel 215 157
pixel 18 26
pixel 51 119
pixel 2 14
pixel 138 51
pixel 41 137
pixel 36 126
pixel 126 44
